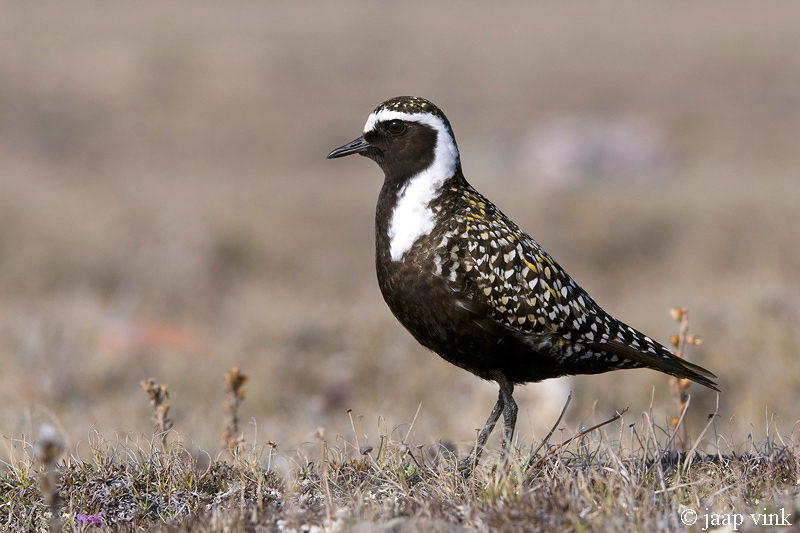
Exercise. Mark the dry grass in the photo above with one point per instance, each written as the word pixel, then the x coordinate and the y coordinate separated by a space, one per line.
pixel 620 476
pixel 166 210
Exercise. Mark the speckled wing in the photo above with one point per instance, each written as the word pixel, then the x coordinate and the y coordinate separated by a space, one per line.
pixel 525 289
pixel 530 294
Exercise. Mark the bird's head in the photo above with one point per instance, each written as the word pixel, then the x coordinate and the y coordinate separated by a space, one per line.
pixel 406 136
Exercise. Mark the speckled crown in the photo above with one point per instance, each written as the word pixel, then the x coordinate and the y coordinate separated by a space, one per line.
pixel 413 105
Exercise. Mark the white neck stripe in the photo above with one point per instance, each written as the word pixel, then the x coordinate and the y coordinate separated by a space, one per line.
pixel 412 218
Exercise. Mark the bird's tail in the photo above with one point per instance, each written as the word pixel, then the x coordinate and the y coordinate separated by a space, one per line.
pixel 662 359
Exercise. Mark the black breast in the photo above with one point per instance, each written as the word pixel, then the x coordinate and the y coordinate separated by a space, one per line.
pixel 429 293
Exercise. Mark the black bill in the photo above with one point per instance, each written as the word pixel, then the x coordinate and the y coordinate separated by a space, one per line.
pixel 355 146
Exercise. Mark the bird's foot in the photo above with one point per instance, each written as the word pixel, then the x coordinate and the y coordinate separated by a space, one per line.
pixel 467 465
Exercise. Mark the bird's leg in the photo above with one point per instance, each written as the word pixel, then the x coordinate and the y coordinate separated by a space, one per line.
pixel 465 467
pixel 509 413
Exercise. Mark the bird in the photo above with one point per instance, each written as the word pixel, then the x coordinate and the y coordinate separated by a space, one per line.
pixel 471 286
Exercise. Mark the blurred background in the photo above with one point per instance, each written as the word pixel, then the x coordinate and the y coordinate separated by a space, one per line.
pixel 166 209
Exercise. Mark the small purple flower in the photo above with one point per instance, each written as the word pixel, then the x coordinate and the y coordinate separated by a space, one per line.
pixel 90 518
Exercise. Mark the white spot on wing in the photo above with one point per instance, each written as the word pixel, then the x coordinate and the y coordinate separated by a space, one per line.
pixel 412 218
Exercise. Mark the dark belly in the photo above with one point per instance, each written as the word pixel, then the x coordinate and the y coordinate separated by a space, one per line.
pixel 442 316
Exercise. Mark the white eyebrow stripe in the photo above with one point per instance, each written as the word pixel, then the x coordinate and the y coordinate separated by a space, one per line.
pixel 389 114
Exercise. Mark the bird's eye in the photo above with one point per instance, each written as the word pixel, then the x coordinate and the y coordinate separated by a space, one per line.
pixel 396 127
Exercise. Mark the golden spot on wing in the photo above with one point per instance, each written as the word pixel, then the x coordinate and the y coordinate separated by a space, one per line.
pixel 530 265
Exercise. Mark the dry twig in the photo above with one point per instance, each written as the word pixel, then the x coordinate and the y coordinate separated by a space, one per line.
pixel 159 401
pixel 232 437
pixel 577 436
pixel 679 387
pixel 46 450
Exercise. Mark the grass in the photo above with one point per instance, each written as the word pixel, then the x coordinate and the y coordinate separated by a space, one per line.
pixel 619 475
pixel 167 210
